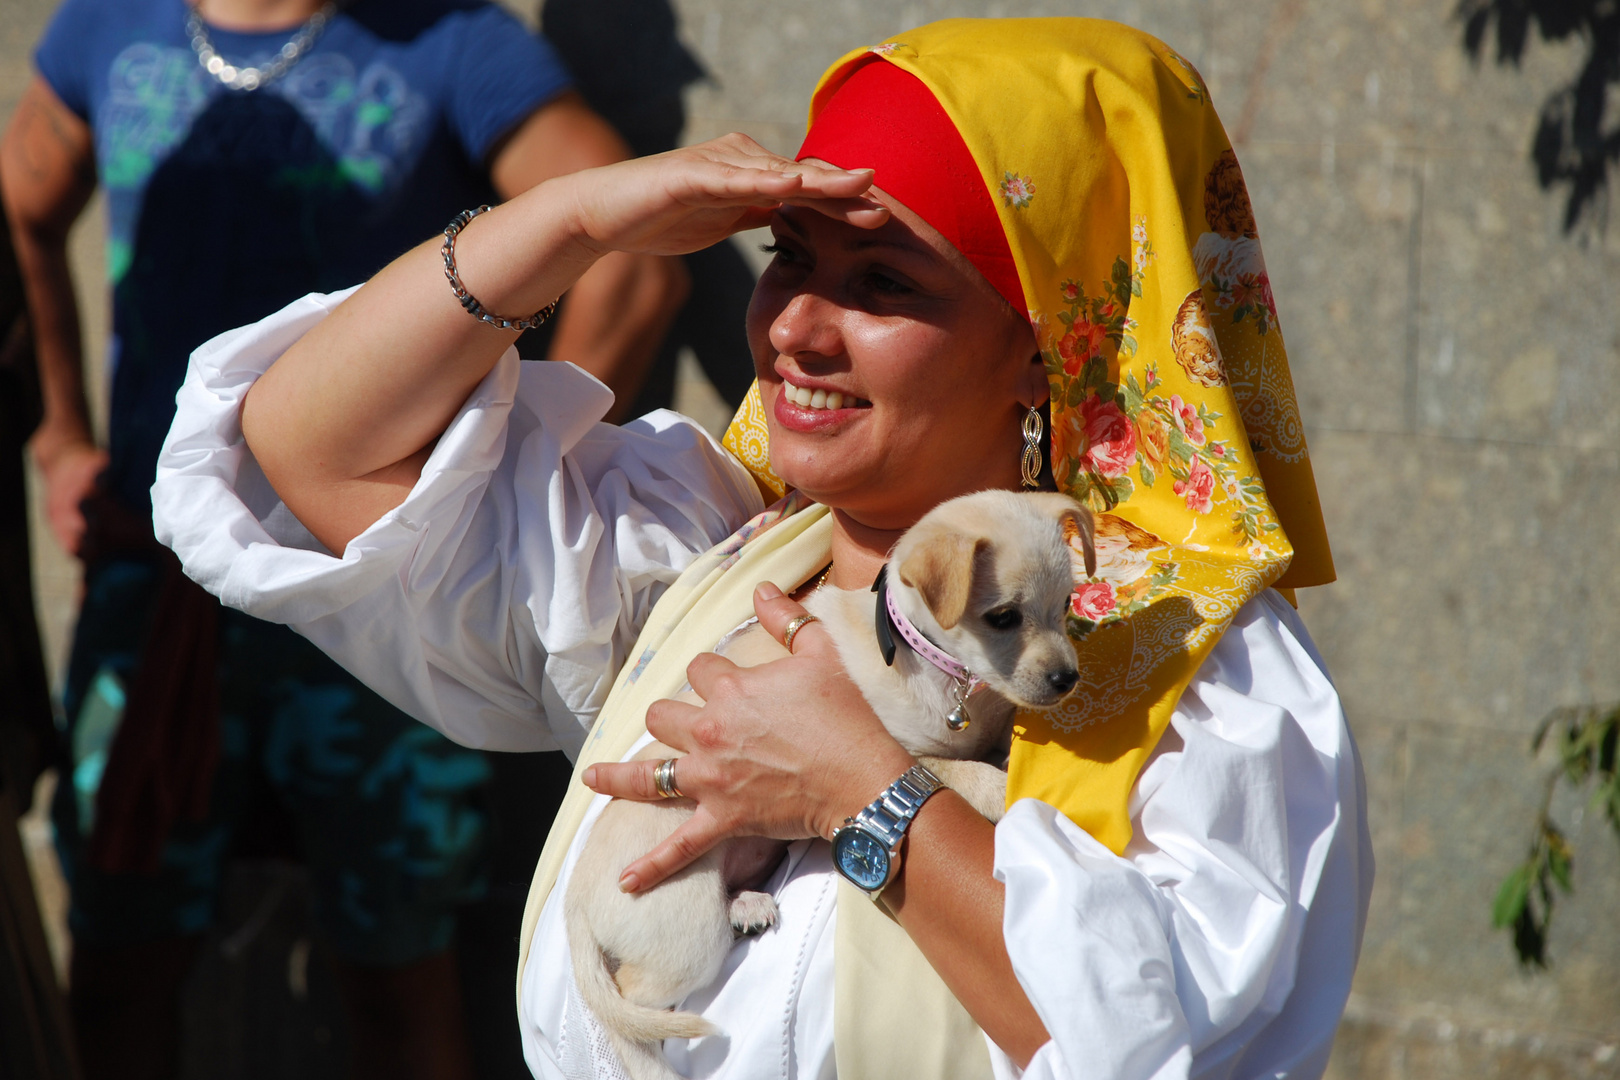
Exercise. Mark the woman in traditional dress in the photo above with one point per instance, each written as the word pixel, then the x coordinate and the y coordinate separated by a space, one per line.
pixel 1056 231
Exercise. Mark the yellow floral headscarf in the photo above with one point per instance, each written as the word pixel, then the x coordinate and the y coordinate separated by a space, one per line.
pixel 1173 411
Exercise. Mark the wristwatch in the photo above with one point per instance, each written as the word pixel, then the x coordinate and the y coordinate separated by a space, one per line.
pixel 866 848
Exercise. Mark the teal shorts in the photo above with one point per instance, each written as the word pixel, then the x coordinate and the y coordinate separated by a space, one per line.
pixel 387 814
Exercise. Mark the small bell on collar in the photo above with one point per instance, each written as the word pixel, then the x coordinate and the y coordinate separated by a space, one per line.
pixel 959 719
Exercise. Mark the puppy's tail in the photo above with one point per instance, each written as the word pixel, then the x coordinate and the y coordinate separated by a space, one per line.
pixel 636 1031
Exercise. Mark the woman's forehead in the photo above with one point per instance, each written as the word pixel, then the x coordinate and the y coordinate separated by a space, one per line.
pixel 905 232
pixel 912 246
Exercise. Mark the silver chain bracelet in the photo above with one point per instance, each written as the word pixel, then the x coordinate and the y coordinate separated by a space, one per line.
pixel 466 299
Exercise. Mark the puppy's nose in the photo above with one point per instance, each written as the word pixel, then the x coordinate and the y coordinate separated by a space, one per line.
pixel 1062 680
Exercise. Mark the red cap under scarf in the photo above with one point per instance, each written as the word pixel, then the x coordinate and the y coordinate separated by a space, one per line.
pixel 884 118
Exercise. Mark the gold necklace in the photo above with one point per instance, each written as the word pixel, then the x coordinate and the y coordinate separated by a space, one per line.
pixel 802 593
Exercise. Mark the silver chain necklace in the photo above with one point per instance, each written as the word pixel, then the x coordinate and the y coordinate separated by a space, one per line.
pixel 251 78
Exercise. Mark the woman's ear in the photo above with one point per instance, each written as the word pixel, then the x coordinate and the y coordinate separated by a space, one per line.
pixel 1035 391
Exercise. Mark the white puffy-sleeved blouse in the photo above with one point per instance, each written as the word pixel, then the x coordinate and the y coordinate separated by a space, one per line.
pixel 498 601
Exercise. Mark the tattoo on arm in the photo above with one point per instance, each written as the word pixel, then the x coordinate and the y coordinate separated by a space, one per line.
pixel 48 141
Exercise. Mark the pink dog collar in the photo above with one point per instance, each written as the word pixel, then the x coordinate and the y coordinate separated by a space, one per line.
pixel 926 649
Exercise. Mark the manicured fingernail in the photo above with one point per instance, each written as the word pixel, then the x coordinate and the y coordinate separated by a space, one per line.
pixel 589 777
pixel 629 882
pixel 792 174
pixel 767 591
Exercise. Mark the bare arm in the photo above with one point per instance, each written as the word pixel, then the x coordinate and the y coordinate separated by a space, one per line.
pixel 619 310
pixel 754 765
pixel 343 422
pixel 47 172
pixel 948 900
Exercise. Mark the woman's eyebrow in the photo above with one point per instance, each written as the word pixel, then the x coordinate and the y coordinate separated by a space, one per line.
pixel 862 242
pixel 792 225
pixel 899 244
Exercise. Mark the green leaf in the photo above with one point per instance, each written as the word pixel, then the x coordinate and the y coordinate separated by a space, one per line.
pixel 1512 896
pixel 1096 372
pixel 1560 864
pixel 1131 395
pixel 1608 743
pixel 1530 938
pixel 1066 318
pixel 1148 476
pixel 1611 808
pixel 1544 730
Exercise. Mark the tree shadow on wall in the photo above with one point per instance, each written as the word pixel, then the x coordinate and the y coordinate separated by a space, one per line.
pixel 1573 144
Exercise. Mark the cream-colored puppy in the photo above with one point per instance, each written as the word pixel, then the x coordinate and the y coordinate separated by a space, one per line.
pixel 984 578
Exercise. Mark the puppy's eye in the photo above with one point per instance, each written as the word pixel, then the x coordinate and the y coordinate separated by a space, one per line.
pixel 1003 618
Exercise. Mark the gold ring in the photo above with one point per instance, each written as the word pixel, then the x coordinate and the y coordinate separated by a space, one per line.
pixel 793 627
pixel 664 779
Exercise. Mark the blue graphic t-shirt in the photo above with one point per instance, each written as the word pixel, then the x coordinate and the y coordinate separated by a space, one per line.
pixel 225 205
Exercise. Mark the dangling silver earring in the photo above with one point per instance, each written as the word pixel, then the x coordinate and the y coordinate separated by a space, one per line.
pixel 1032 447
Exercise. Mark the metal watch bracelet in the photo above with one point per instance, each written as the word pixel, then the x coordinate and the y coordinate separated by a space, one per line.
pixel 890 814
pixel 866 849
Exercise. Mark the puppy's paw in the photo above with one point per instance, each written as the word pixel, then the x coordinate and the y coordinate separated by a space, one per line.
pixel 983 785
pixel 753 913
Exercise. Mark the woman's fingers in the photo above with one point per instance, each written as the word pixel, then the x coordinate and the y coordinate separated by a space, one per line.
pixel 861 213
pixel 817 177
pixel 691 198
pixel 832 191
pixel 631 780
pixel 679 850
pixel 670 722
pixel 777 611
pixel 784 749
pixel 706 673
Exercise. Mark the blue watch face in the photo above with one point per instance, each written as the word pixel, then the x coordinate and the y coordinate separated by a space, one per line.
pixel 861 858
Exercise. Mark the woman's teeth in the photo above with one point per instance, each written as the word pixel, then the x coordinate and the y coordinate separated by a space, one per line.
pixel 806 398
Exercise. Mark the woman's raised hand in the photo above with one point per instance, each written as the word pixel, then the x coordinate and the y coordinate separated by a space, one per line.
pixel 690 198
pixel 787 749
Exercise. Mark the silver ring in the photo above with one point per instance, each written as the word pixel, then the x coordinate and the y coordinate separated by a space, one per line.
pixel 664 779
pixel 794 626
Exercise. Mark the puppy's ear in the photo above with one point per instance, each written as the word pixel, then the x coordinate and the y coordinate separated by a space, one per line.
pixel 1077 521
pixel 941 569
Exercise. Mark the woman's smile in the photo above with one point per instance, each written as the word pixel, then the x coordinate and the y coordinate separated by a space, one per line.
pixel 809 405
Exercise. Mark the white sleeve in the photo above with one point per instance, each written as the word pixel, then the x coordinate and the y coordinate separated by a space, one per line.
pixel 1222 944
pixel 498 601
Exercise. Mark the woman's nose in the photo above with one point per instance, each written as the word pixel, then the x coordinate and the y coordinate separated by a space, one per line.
pixel 807 325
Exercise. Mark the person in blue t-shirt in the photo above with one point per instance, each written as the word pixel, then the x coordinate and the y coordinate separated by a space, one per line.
pixel 252 151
